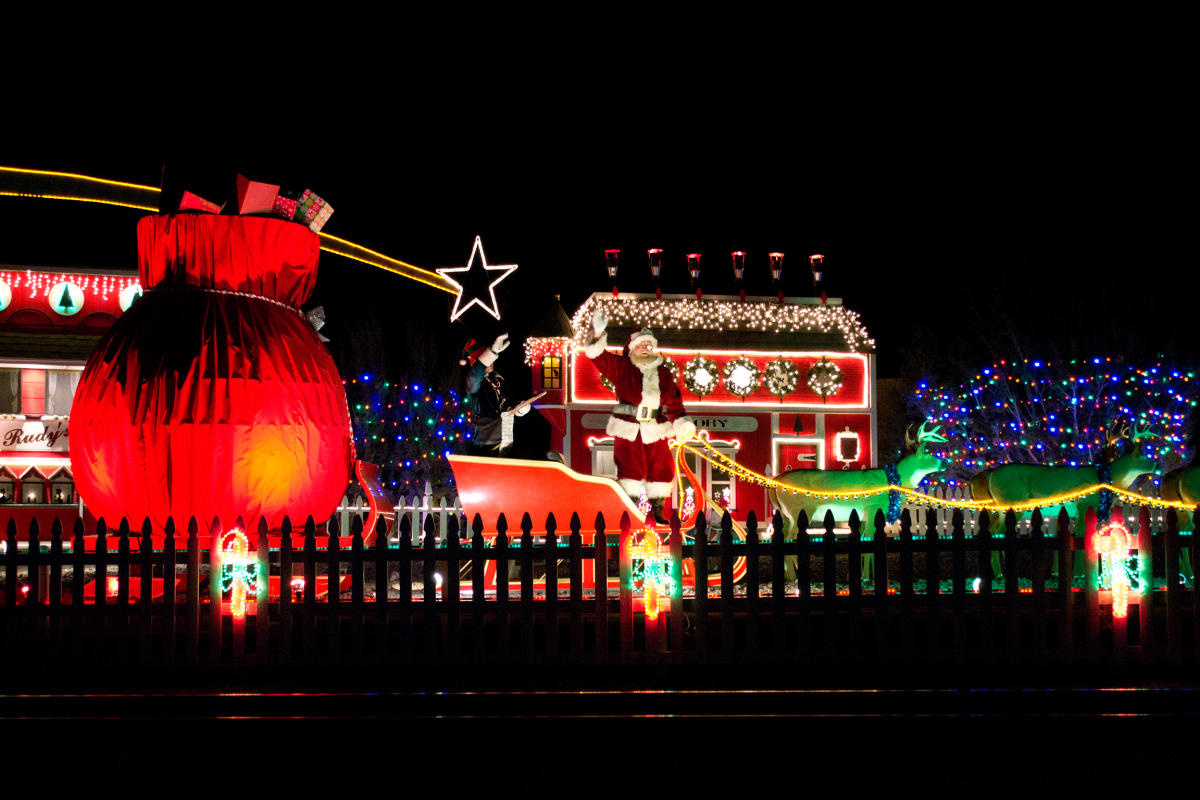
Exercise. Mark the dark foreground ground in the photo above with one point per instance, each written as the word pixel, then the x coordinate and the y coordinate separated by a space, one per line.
pixel 729 731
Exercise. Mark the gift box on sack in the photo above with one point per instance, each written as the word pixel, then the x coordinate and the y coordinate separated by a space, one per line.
pixel 313 211
pixel 254 197
pixel 285 205
pixel 194 202
pixel 321 218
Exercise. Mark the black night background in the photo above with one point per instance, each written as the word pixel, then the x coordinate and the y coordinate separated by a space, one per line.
pixel 966 216
pixel 960 232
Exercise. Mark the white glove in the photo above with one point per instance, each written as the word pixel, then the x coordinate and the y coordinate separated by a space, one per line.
pixel 599 322
pixel 501 344
pixel 684 428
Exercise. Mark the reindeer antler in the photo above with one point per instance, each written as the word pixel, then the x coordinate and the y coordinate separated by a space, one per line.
pixel 1143 433
pixel 929 436
pixel 1118 435
pixel 910 444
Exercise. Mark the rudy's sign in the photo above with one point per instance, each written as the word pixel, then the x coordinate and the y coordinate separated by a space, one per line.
pixel 34 435
pixel 714 424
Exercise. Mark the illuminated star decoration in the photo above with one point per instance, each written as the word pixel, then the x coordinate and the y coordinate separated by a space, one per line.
pixel 504 271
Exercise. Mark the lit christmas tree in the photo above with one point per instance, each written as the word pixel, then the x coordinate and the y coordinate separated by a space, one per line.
pixel 1059 413
pixel 408 429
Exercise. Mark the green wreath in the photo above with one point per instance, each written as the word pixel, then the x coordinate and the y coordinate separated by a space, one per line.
pixel 700 376
pixel 825 378
pixel 741 377
pixel 781 377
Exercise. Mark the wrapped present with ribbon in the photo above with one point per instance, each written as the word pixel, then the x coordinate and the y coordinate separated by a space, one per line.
pixel 286 204
pixel 312 210
pixel 321 218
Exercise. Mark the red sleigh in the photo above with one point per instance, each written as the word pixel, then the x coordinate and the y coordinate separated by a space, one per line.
pixel 490 487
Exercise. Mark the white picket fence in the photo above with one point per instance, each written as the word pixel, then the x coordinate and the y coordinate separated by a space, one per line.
pixel 417 507
pixel 942 515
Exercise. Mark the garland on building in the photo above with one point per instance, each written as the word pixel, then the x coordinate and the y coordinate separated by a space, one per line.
pixel 539 347
pixel 741 377
pixel 781 377
pixel 825 378
pixel 700 376
pixel 689 314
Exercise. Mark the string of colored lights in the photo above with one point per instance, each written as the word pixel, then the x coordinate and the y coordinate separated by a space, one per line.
pixel 727 464
pixel 715 315
pixel 408 428
pixel 1059 413
pixel 52 185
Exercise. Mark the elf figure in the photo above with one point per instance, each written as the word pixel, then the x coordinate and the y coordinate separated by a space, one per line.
pixel 648 412
pixel 494 416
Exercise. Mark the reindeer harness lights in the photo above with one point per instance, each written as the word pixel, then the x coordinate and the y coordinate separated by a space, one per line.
pixel 877 482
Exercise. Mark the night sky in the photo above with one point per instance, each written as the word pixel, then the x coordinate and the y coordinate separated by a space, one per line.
pixel 961 231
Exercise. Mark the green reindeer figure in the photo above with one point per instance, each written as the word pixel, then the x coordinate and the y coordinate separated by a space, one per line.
pixel 908 472
pixel 1014 484
pixel 1183 485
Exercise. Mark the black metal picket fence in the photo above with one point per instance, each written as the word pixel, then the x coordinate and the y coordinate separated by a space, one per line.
pixel 928 596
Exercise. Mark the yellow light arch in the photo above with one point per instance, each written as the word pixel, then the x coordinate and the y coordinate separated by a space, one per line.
pixel 51 185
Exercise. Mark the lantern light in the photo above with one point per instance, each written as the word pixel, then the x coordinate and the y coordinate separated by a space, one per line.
pixel 612 262
pixel 739 264
pixel 654 255
pixel 776 266
pixel 815 262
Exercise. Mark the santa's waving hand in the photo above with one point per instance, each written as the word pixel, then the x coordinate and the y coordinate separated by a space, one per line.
pixel 649 411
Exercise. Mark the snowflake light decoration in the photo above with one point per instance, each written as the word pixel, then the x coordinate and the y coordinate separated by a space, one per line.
pixel 781 377
pixel 700 376
pixel 741 377
pixel 825 378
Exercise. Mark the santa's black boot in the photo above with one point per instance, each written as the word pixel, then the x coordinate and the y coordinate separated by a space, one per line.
pixel 656 508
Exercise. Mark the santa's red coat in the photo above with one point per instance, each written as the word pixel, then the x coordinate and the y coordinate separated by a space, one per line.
pixel 640 448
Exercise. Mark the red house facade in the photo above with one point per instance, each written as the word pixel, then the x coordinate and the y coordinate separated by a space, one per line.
pixel 816 410
pixel 49 323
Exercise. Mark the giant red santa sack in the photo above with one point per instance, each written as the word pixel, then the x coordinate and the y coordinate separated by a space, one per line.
pixel 212 395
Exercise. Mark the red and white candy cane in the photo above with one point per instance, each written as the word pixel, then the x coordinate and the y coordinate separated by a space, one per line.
pixel 1112 542
pixel 236 574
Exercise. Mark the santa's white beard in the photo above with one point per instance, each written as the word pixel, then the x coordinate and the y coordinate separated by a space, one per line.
pixel 642 362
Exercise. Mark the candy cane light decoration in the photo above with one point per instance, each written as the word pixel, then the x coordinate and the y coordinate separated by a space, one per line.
pixel 238 572
pixel 1112 542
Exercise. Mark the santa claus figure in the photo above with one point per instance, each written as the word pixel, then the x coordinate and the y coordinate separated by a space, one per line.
pixel 648 412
